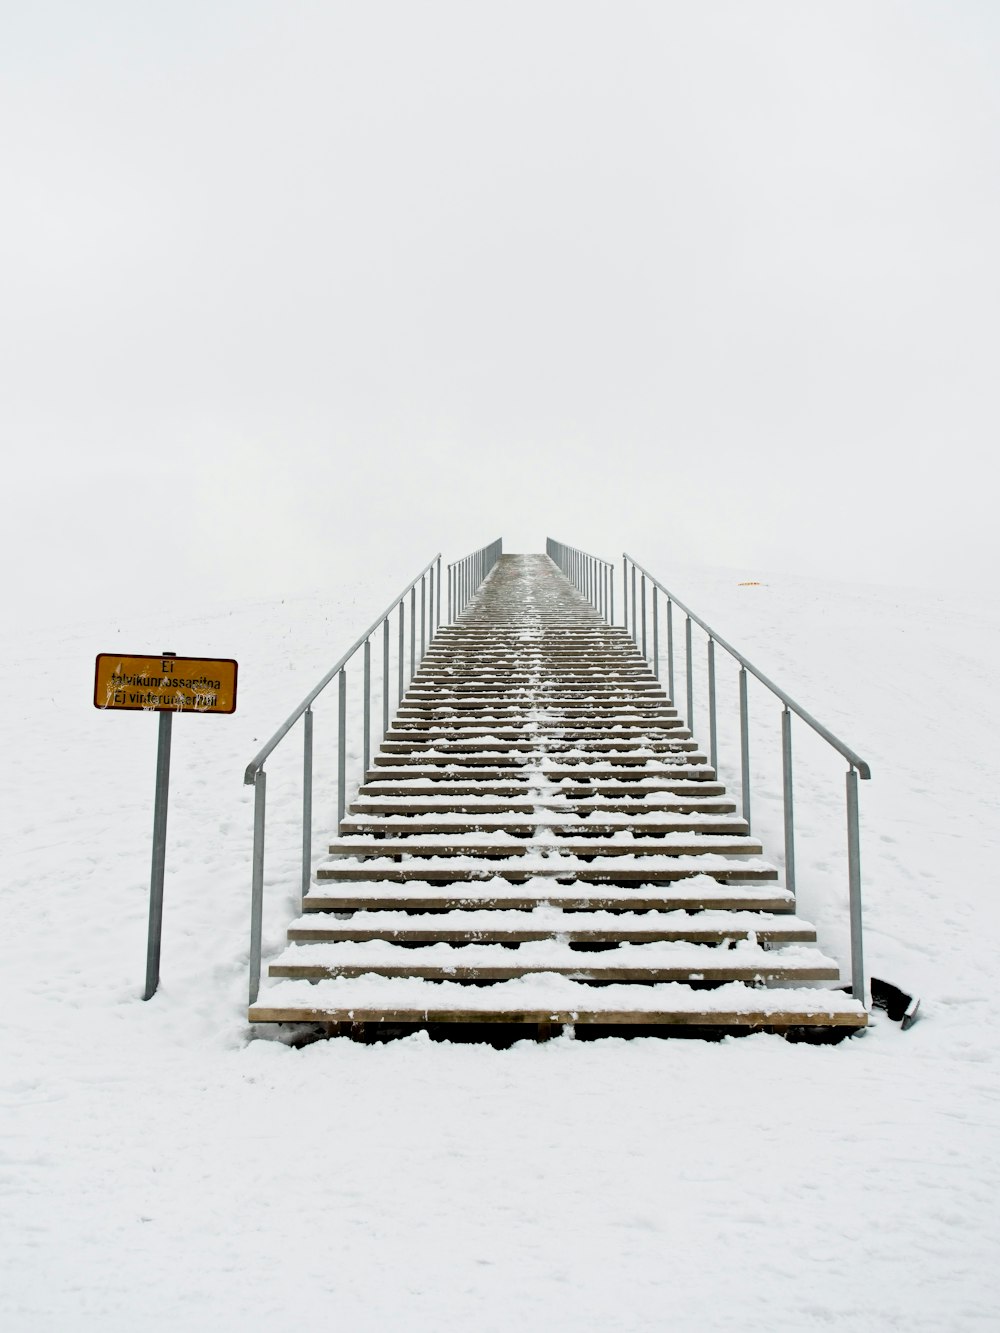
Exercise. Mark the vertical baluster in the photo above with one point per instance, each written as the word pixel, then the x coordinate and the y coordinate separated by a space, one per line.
pixel 307 797
pixel 625 593
pixel 400 664
pixel 385 675
pixel 858 988
pixel 413 631
pixel 786 787
pixel 366 744
pixel 745 745
pixel 670 650
pixel 656 632
pixel 635 618
pixel 713 729
pixel 341 746
pixel 644 652
pixel 257 880
pixel 689 672
pixel 423 615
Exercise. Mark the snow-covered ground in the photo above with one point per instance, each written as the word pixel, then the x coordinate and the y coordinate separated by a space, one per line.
pixel 164 1169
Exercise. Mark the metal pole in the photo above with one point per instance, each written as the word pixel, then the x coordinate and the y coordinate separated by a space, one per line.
pixel 635 619
pixel 385 676
pixel 656 632
pixel 437 603
pixel 644 653
pixel 670 649
pixel 257 882
pixel 611 601
pixel 745 745
pixel 854 874
pixel 413 631
pixel 423 616
pixel 786 785
pixel 399 664
pixel 713 730
pixel 307 798
pixel 625 593
pixel 689 676
pixel 367 685
pixel 159 854
pixel 341 746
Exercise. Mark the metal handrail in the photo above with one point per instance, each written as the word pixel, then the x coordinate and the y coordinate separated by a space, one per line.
pixel 636 577
pixel 429 619
pixel 589 574
pixel 466 575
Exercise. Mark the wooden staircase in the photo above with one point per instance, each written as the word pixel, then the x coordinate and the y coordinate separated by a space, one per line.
pixel 540 843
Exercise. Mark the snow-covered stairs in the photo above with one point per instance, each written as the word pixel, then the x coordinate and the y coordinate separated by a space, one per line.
pixel 540 842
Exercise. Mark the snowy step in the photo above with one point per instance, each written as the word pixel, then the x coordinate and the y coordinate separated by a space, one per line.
pixel 619 842
pixel 371 802
pixel 599 869
pixel 487 782
pixel 648 824
pixel 654 962
pixel 548 922
pixel 549 999
pixel 697 893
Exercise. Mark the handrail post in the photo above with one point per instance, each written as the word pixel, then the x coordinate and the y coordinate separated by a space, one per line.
pixel 625 592
pixel 257 882
pixel 437 601
pixel 385 677
pixel 670 651
pixel 400 664
pixel 787 801
pixel 745 745
pixel 713 729
pixel 644 653
pixel 611 597
pixel 689 674
pixel 366 743
pixel 341 746
pixel 423 617
pixel 413 632
pixel 656 632
pixel 635 618
pixel 854 877
pixel 307 798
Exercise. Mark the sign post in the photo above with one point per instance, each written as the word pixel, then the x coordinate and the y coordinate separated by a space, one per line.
pixel 166 684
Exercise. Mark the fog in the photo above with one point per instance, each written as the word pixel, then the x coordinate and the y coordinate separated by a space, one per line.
pixel 292 287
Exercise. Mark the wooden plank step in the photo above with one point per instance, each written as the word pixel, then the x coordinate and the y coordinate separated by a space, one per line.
pixel 622 842
pixel 545 922
pixel 560 825
pixel 552 999
pixel 578 767
pixel 371 803
pixel 490 743
pixel 699 893
pixel 652 869
pixel 487 782
pixel 645 963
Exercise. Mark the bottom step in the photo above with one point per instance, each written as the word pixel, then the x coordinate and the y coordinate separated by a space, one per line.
pixel 547 998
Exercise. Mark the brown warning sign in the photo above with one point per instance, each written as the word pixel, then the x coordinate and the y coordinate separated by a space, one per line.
pixel 165 684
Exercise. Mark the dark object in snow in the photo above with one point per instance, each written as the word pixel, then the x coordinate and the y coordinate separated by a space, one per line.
pixel 900 1007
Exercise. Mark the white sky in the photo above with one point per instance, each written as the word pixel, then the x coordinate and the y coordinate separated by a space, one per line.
pixel 288 286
